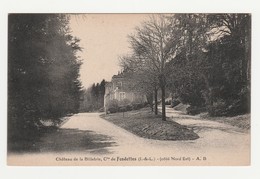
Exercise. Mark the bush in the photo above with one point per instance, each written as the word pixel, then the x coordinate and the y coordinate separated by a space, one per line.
pixel 232 106
pixel 129 107
pixel 138 106
pixel 219 108
pixel 175 102
pixel 113 103
pixel 241 105
pixel 122 109
pixel 113 110
pixel 113 106
pixel 193 110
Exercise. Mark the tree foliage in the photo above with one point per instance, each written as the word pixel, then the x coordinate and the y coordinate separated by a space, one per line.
pixel 218 70
pixel 43 71
pixel 93 97
pixel 141 80
pixel 202 59
pixel 155 45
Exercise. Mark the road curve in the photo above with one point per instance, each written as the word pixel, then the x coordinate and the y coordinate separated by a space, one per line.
pixel 86 135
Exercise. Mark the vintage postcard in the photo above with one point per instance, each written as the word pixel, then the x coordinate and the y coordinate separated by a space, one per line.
pixel 129 89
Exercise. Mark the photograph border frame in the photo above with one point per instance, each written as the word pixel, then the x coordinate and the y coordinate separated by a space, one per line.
pixel 128 6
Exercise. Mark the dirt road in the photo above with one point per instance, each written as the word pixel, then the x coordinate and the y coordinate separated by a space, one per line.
pixel 87 139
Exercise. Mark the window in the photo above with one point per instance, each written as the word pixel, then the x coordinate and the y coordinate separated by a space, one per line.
pixel 121 96
pixel 119 85
pixel 111 97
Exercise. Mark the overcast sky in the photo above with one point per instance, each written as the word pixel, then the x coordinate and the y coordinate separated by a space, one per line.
pixel 104 39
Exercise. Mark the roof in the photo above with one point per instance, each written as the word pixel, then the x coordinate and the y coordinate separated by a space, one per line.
pixel 120 75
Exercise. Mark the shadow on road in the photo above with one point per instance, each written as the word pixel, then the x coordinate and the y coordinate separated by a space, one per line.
pixel 67 140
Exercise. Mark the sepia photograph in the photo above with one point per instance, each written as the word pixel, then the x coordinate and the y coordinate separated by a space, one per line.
pixel 129 89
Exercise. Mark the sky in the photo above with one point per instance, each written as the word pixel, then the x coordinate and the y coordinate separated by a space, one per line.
pixel 104 39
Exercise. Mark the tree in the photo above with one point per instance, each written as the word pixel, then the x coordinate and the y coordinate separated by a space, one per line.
pixel 102 93
pixel 204 59
pixel 230 53
pixel 141 80
pixel 193 29
pixel 212 69
pixel 187 79
pixel 155 45
pixel 93 97
pixel 43 72
pixel 238 28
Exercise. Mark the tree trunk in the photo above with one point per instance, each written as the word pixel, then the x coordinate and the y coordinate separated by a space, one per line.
pixel 149 98
pixel 155 102
pixel 163 103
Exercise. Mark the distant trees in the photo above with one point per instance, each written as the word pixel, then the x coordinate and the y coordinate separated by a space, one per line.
pixel 43 71
pixel 93 97
pixel 202 59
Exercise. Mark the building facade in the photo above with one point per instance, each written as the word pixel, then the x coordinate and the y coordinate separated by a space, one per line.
pixel 121 88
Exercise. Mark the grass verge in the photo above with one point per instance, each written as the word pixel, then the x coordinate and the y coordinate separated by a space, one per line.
pixel 240 121
pixel 145 124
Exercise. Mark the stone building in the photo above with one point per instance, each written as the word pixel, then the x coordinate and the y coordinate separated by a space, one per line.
pixel 121 88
